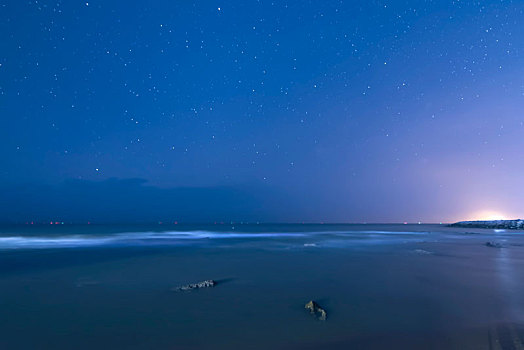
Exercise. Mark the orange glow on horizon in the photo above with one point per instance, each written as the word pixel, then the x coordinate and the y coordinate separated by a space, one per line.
pixel 488 215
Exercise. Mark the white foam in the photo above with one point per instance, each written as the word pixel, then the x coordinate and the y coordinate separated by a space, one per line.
pixel 129 238
pixel 50 242
pixel 174 237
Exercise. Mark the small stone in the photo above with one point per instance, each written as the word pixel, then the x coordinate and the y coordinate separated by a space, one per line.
pixel 191 286
pixel 316 310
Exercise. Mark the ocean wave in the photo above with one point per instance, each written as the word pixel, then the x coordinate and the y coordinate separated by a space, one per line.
pixel 50 242
pixel 170 237
pixel 128 238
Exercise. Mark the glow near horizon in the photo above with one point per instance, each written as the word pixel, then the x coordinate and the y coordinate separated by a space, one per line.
pixel 488 215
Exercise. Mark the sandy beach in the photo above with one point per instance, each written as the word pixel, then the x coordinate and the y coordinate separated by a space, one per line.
pixel 383 286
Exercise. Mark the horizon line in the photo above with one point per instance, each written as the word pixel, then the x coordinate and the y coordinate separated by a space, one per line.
pixel 221 223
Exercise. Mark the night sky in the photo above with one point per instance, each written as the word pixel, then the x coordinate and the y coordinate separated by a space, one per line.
pixel 284 111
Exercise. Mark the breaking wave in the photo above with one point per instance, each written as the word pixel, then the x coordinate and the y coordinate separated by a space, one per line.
pixel 130 238
pixel 170 237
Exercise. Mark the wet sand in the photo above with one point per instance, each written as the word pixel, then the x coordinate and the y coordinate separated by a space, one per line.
pixel 383 287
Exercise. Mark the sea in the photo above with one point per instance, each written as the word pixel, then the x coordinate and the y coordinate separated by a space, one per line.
pixel 389 286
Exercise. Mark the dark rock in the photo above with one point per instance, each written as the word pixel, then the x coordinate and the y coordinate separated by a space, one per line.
pixel 203 284
pixel 493 224
pixel 493 244
pixel 316 310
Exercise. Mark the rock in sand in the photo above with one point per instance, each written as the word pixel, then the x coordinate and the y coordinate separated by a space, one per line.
pixel 316 310
pixel 191 286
